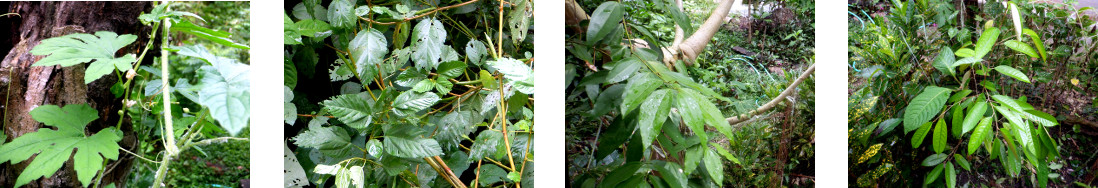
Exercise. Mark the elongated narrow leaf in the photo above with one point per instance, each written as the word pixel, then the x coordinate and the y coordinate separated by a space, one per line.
pixel 933 175
pixel 1013 73
pixel 934 159
pixel 691 113
pixel 950 175
pixel 973 116
pixel 623 70
pixel 219 37
pixel 917 139
pixel 604 19
pixel 637 90
pixel 940 136
pixel 1009 102
pixel 1040 117
pixel 961 161
pixel 1037 43
pixel 713 166
pixel 965 52
pixel 352 109
pixel 1017 19
pixel 986 42
pixel 672 173
pixel 924 107
pixel 652 114
pixel 1020 128
pixel 966 61
pixel 1021 47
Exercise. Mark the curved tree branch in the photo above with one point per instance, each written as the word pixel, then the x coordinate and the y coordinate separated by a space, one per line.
pixel 695 44
pixel 774 102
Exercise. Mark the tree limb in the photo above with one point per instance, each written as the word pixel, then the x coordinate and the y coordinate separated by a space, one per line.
pixel 774 102
pixel 695 44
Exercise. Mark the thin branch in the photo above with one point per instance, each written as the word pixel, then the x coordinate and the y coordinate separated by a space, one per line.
pixel 419 16
pixel 774 102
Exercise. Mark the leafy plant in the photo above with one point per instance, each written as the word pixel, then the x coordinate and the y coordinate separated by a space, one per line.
pixel 431 111
pixel 54 147
pixel 80 48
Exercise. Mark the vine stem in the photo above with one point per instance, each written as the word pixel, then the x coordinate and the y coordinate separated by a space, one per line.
pixel 419 16
pixel 169 145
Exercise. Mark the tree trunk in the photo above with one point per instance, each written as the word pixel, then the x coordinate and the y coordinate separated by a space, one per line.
pixel 25 87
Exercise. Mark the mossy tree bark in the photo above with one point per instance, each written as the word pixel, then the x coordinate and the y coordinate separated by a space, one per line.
pixel 24 87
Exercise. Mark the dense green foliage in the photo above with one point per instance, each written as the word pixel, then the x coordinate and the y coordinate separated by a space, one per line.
pixel 634 121
pixel 409 94
pixel 974 103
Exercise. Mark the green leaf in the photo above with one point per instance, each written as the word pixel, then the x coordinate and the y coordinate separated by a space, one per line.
pixel 79 48
pixel 1021 47
pixel 713 166
pixel 726 154
pixel 940 136
pixel 959 95
pixel 966 61
pixel 1017 19
pixel 961 161
pixel 978 136
pixel 450 69
pixel 455 126
pixel 973 116
pixel 934 159
pixel 965 52
pixel 986 42
pixel 944 61
pixel 691 113
pixel 924 107
pixel 604 20
pixel 289 30
pixel 352 109
pixel 313 28
pixel 289 110
pixel 1037 42
pixel 623 70
pixel 476 52
pixel 411 102
pixel 638 89
pixel 1039 117
pixel 410 78
pixel 368 49
pixel 950 175
pixel 672 173
pixel 411 147
pixel 1007 101
pixel 517 73
pixel 54 147
pixel 620 174
pixel 486 144
pixel 341 13
pixel 219 37
pixel 160 12
pixel 227 94
pixel 1020 128
pixel 933 175
pixel 917 139
pixel 518 21
pixel 330 141
pixel 429 36
pixel 653 112
pixel 294 174
pixel 1013 73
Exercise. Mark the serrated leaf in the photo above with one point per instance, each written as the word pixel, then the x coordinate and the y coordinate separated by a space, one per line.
pixel 374 148
pixel 331 141
pixel 973 116
pixel 455 126
pixel 940 136
pixel 429 36
pixel 294 175
pixel 412 147
pixel 352 109
pixel 1021 47
pixel 341 14
pixel 934 159
pixel 519 19
pixel 604 20
pixel 410 102
pixel 409 78
pixel 54 147
pixel 79 48
pixel 486 144
pixel 227 94
pixel 924 107
pixel 289 111
pixel 653 112
pixel 1013 73
pixel 368 49
pixel 518 75
pixel 986 42
pixel 476 52
pixel 450 69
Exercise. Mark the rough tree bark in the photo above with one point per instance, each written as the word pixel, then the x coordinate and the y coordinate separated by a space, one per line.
pixel 25 87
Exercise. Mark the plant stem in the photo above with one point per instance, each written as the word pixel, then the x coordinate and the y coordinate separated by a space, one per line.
pixel 169 145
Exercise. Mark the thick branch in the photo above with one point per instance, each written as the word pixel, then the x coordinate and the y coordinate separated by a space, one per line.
pixel 774 102
pixel 695 44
